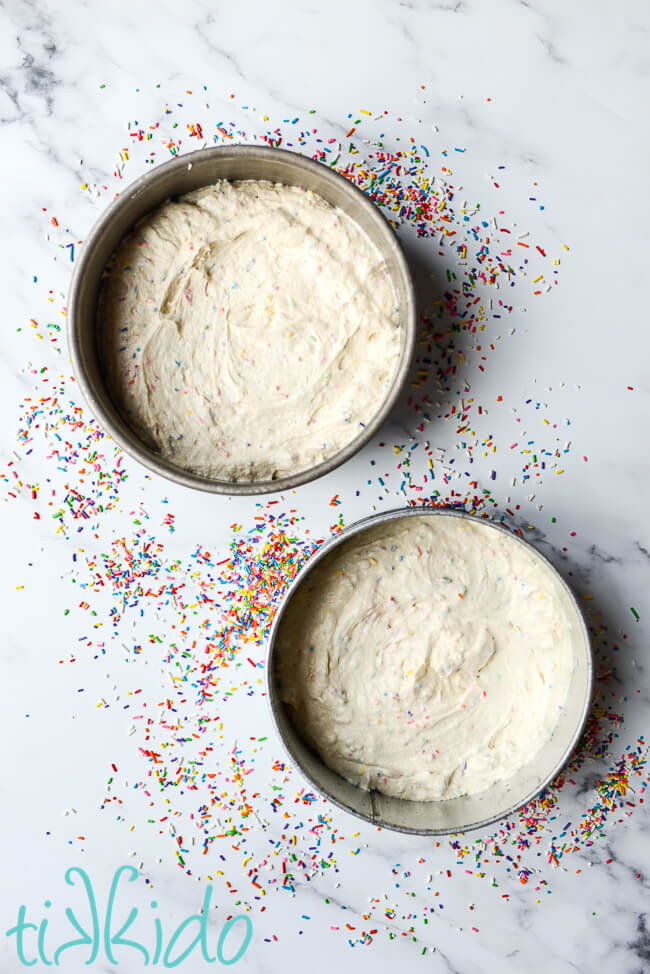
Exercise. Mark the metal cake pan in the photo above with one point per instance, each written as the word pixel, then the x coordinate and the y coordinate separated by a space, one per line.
pixel 455 814
pixel 182 175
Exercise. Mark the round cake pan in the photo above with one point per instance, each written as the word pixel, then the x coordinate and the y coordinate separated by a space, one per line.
pixel 468 811
pixel 182 175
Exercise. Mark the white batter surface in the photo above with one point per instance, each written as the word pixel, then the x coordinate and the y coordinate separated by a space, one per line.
pixel 426 658
pixel 250 330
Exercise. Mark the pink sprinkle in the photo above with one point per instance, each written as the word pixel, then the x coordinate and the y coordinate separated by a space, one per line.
pixel 512 446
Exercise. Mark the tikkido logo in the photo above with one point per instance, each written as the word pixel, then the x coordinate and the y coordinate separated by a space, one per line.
pixel 32 940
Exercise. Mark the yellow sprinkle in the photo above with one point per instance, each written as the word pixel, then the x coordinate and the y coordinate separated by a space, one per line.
pixel 558 472
pixel 564 247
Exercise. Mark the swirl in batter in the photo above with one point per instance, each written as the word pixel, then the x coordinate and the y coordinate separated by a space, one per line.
pixel 249 330
pixel 426 657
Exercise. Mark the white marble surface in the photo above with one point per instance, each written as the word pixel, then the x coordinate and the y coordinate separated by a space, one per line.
pixel 569 98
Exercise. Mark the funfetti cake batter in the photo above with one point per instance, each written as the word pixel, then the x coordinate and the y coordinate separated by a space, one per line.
pixel 249 330
pixel 427 657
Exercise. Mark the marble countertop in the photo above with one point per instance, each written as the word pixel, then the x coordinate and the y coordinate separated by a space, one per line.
pixel 507 143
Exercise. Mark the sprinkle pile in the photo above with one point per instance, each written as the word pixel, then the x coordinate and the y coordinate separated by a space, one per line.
pixel 226 803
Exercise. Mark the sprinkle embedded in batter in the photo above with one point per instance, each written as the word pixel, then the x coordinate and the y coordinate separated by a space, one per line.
pixel 427 657
pixel 249 330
